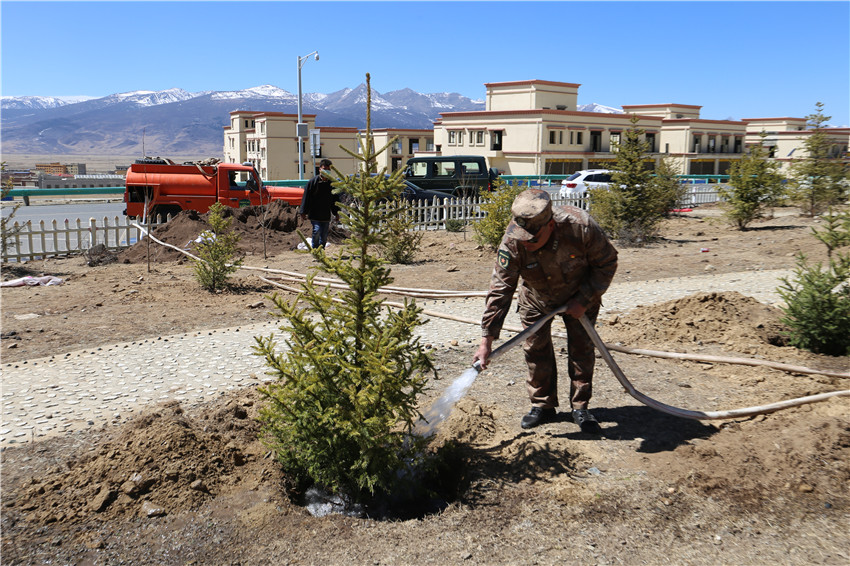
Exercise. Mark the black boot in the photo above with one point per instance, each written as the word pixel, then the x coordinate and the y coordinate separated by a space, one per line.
pixel 537 416
pixel 586 421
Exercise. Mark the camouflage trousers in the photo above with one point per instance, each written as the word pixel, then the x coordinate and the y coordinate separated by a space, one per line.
pixel 542 382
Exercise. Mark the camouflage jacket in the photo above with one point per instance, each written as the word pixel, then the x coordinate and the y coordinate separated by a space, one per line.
pixel 577 262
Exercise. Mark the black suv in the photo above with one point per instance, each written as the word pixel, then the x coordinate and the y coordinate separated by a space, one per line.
pixel 457 175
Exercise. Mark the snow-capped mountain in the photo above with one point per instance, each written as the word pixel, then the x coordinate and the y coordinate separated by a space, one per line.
pixel 177 122
pixel 39 102
pixel 150 97
pixel 593 107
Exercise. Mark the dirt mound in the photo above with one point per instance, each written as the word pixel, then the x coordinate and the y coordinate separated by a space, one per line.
pixel 723 318
pixel 162 462
pixel 282 224
pixel 787 455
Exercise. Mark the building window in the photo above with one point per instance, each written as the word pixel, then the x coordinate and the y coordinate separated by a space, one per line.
pixel 552 137
pixel 595 141
pixel 452 137
pixel 460 138
pixel 579 138
pixel 650 142
pixel 615 141
pixel 479 137
pixel 496 140
pixel 413 145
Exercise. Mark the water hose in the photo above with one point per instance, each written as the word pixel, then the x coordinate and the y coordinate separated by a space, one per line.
pixel 688 414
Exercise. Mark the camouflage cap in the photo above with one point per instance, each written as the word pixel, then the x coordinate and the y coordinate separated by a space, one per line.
pixel 531 210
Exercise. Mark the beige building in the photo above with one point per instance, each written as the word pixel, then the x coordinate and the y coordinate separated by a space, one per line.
pixel 527 128
pixel 408 144
pixel 785 138
pixel 533 128
pixel 268 140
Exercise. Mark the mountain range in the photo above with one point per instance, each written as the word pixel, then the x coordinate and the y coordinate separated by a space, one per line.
pixel 177 122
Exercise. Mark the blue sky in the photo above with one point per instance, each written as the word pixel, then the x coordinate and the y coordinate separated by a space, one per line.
pixel 735 59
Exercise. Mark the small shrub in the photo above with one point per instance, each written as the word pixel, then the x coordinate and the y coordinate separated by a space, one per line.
pixel 217 251
pixel 490 229
pixel 402 242
pixel 818 299
pixel 455 225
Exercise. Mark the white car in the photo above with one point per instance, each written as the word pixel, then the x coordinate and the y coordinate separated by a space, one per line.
pixel 582 181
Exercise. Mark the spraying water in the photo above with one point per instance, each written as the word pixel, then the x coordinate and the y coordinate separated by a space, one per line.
pixel 442 407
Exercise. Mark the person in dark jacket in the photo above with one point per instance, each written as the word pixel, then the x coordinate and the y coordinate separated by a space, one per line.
pixel 319 204
pixel 560 260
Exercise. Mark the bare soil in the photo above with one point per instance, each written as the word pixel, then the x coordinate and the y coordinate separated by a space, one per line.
pixel 194 485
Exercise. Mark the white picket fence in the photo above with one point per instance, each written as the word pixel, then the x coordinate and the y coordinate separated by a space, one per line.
pixel 28 242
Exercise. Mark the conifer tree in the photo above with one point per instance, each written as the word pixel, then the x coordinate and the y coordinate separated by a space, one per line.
pixel 755 185
pixel 345 397
pixel 217 251
pixel 635 201
pixel 819 176
pixel 817 299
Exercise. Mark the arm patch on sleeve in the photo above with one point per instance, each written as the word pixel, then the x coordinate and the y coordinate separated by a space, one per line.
pixel 504 258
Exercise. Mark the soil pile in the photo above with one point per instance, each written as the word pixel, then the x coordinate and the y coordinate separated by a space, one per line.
pixel 282 224
pixel 728 318
pixel 163 462
pixel 782 455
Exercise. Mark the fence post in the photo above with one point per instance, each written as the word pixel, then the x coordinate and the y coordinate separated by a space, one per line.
pixel 67 232
pixel 29 238
pixel 93 232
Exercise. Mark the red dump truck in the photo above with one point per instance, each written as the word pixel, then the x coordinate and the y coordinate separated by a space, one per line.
pixel 169 188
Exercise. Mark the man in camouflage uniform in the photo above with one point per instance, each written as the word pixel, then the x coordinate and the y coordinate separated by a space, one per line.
pixel 561 260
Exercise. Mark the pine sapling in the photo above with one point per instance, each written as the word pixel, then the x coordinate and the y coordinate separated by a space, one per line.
pixel 217 251
pixel 345 396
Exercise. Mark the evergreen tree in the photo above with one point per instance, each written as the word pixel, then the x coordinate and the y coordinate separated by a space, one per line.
pixel 818 299
pixel 636 200
pixel 345 397
pixel 217 251
pixel 755 185
pixel 820 179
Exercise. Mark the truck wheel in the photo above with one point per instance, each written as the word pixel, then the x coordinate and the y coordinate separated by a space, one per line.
pixel 160 213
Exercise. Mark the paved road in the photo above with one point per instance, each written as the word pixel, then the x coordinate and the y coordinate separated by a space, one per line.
pixel 89 388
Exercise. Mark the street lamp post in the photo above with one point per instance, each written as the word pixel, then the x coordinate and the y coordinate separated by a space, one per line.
pixel 300 128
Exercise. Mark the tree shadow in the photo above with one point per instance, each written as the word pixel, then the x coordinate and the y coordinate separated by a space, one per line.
pixel 524 457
